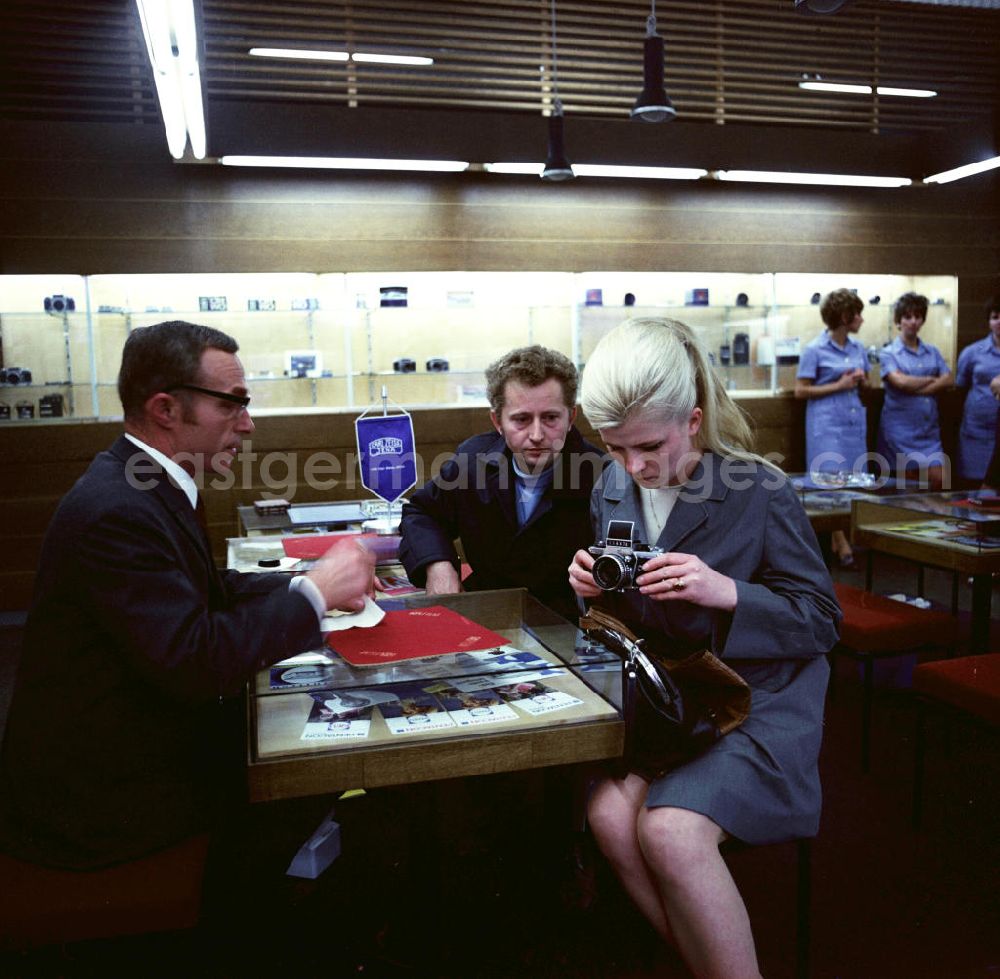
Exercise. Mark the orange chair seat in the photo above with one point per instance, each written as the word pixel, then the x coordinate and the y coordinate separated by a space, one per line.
pixel 970 683
pixel 877 624
pixel 43 905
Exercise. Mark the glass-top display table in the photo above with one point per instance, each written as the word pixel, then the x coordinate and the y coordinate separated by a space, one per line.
pixel 827 500
pixel 958 531
pixel 548 696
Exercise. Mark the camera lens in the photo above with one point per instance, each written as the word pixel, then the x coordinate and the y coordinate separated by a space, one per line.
pixel 609 572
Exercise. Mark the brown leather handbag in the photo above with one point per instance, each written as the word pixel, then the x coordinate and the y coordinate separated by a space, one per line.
pixel 673 709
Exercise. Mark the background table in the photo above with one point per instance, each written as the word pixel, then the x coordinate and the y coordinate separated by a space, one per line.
pixel 312 517
pixel 914 528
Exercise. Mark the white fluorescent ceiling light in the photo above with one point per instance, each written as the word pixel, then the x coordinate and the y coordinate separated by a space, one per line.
pixel 344 163
pixel 390 59
pixel 363 57
pixel 299 53
pixel 603 170
pixel 824 179
pixel 914 93
pixel 531 169
pixel 947 176
pixel 168 27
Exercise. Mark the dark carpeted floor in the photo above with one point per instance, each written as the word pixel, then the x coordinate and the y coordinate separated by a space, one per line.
pixel 480 878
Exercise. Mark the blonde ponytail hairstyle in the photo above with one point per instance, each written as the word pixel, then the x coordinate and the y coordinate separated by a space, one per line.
pixel 658 366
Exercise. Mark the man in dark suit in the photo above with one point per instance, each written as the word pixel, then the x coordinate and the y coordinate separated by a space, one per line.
pixel 134 637
pixel 518 497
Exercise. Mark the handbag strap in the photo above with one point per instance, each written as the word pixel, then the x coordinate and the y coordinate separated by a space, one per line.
pixel 612 631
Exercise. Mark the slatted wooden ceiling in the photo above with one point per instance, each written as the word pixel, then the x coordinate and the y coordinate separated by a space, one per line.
pixel 728 61
pixel 731 61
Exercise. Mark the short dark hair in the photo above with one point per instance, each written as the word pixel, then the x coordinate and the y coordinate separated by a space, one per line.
pixel 909 304
pixel 840 306
pixel 992 305
pixel 531 366
pixel 156 358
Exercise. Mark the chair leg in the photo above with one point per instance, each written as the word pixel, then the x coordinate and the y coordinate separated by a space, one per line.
pixel 868 664
pixel 919 747
pixel 803 907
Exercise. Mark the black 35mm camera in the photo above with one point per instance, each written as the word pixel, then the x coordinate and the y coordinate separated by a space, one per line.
pixel 15 375
pixel 620 558
pixel 59 304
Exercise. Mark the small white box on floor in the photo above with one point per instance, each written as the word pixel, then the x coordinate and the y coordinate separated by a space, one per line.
pixel 318 852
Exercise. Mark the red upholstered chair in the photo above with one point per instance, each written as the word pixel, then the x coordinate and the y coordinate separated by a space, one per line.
pixel 875 627
pixel 969 686
pixel 43 906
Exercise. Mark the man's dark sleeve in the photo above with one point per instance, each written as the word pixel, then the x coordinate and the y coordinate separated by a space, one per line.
pixel 430 524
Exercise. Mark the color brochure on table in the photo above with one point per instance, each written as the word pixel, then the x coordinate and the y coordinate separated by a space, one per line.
pixel 434 705
pixel 946 531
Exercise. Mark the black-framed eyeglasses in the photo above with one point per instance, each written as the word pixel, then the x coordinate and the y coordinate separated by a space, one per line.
pixel 243 400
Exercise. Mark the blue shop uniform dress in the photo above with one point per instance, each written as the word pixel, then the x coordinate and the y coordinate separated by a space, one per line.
pixel 836 426
pixel 909 424
pixel 978 364
pixel 760 783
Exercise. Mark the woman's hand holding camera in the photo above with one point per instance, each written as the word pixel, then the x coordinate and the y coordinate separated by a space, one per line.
pixel 667 577
pixel 581 580
pixel 675 576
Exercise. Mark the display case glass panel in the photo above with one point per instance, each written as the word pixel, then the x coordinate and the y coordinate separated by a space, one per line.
pixel 335 340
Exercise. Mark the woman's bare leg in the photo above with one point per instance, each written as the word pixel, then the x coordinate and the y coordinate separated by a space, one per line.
pixel 613 813
pixel 703 905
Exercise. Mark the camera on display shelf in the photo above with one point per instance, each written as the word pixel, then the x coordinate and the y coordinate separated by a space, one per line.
pixel 437 364
pixel 15 375
pixel 59 304
pixel 620 558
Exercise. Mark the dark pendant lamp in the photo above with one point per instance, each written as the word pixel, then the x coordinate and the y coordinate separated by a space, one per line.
pixel 812 7
pixel 653 104
pixel 557 167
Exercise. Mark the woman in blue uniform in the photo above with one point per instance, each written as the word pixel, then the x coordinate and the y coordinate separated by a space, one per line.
pixel 913 372
pixel 978 364
pixel 832 369
pixel 741 574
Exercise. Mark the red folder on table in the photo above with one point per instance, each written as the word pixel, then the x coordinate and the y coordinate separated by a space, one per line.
pixel 311 547
pixel 411 634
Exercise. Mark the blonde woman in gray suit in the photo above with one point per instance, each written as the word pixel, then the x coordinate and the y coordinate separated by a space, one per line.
pixel 741 574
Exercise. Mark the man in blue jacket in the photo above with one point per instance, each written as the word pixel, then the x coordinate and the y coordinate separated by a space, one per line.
pixel 518 498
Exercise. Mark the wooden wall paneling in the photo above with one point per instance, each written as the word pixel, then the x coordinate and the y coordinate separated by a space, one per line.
pixel 160 217
pixel 29 501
